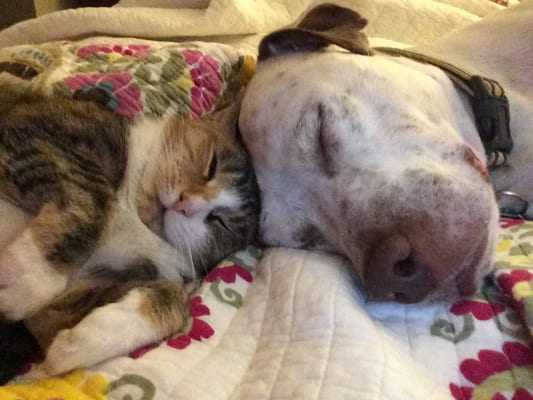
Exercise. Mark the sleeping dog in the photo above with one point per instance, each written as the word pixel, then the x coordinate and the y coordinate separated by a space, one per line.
pixel 378 156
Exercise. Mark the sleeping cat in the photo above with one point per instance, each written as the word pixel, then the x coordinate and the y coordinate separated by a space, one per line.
pixel 101 218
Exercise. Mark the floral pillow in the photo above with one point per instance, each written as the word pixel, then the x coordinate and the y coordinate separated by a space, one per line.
pixel 131 76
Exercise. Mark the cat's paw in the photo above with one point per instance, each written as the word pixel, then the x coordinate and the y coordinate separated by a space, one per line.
pixel 27 280
pixel 101 335
pixel 67 352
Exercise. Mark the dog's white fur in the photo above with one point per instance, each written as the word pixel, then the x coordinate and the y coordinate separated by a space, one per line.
pixel 501 47
pixel 351 150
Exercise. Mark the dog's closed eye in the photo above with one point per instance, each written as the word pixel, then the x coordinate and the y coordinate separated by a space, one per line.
pixel 327 145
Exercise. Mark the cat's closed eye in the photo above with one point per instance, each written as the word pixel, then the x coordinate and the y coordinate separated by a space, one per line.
pixel 220 216
pixel 212 167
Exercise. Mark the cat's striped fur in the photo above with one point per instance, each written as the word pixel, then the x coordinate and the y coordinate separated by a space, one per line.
pixel 102 216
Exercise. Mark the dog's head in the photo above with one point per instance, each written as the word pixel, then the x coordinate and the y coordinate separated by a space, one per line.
pixel 373 157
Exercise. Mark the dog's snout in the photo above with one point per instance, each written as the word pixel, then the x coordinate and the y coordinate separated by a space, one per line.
pixel 393 272
pixel 423 257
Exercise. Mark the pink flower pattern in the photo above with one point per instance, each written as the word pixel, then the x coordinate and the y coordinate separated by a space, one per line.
pixel 143 350
pixel 122 91
pixel 205 73
pixel 506 223
pixel 506 281
pixel 490 363
pixel 132 50
pixel 199 328
pixel 124 97
pixel 481 310
pixel 229 274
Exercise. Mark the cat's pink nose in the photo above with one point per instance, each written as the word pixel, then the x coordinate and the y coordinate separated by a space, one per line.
pixel 189 205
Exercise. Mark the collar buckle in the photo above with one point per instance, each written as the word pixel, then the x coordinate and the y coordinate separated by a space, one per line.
pixel 491 111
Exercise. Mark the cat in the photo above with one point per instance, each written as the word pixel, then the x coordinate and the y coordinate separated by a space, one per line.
pixel 102 217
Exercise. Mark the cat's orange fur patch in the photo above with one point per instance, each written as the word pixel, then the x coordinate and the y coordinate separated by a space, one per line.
pixel 165 305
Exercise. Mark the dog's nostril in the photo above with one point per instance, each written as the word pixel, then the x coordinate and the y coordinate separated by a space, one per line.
pixel 397 271
pixel 404 268
pixel 401 297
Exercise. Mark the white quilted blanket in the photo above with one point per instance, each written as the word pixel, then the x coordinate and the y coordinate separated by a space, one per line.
pixel 293 325
pixel 405 21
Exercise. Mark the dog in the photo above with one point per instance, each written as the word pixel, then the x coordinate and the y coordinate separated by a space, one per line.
pixel 378 157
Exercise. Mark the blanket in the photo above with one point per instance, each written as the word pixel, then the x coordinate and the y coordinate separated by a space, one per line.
pixel 275 323
pixel 405 21
pixel 294 326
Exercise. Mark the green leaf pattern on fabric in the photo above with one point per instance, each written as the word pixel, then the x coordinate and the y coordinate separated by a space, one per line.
pixel 447 330
pixel 226 294
pixel 505 302
pixel 134 387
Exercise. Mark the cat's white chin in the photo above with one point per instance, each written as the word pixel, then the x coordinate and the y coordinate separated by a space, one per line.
pixel 185 232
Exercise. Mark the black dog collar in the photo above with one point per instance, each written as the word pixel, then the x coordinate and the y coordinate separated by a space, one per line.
pixel 489 104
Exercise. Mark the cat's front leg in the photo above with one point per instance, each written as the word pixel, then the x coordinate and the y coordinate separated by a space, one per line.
pixel 146 314
pixel 27 279
pixel 127 240
pixel 36 266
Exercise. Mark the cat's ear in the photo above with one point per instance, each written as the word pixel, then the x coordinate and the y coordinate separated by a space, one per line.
pixel 227 113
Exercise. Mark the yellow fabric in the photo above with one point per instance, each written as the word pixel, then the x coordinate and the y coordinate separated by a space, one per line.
pixel 79 385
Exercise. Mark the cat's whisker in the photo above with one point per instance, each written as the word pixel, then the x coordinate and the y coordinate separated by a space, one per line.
pixel 193 268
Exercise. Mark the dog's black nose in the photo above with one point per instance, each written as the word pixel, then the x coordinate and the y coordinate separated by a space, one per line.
pixel 394 273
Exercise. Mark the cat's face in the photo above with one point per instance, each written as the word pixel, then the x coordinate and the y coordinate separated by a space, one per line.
pixel 200 194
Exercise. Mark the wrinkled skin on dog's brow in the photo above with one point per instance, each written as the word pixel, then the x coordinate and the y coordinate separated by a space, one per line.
pixel 373 157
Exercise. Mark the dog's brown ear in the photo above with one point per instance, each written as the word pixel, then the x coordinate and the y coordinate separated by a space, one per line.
pixel 330 16
pixel 323 25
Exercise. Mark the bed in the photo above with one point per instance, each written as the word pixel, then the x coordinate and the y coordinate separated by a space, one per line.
pixel 273 322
